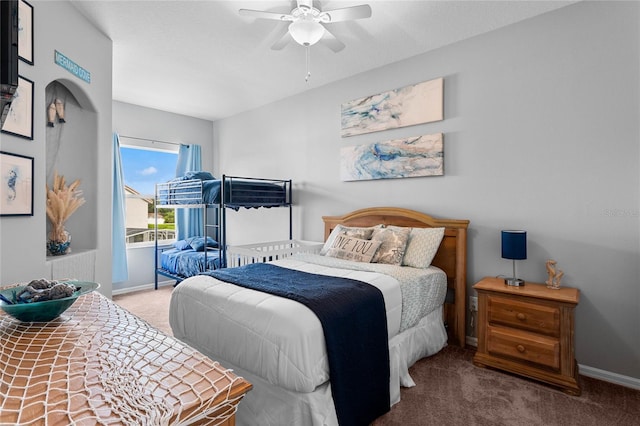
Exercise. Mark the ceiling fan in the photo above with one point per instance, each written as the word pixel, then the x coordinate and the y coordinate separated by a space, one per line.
pixel 306 23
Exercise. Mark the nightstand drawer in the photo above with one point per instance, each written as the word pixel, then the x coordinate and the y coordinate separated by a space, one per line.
pixel 525 346
pixel 533 317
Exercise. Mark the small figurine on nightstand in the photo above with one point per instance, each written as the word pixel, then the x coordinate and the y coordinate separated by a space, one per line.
pixel 554 277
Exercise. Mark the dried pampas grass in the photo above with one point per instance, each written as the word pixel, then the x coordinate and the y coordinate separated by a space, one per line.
pixel 62 202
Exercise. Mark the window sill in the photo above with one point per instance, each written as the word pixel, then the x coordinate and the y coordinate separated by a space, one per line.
pixel 135 246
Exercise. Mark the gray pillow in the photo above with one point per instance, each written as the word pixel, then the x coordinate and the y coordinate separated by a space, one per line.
pixel 393 244
pixel 422 246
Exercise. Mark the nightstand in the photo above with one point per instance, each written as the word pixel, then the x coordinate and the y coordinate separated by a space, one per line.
pixel 529 331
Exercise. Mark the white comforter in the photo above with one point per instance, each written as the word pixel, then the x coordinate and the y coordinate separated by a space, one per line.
pixel 275 338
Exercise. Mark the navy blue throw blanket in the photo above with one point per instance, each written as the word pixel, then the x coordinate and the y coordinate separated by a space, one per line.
pixel 354 320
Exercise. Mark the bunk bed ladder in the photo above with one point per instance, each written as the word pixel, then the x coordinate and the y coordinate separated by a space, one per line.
pixel 223 222
pixel 289 201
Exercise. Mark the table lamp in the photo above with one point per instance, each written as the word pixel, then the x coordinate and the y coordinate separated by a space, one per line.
pixel 514 247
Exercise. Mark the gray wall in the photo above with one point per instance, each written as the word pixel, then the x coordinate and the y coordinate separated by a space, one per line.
pixel 58 26
pixel 152 124
pixel 541 133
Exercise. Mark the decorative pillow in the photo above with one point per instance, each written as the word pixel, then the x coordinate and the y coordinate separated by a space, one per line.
pixel 422 246
pixel 352 248
pixel 197 243
pixel 361 233
pixel 393 244
pixel 182 245
pixel 197 175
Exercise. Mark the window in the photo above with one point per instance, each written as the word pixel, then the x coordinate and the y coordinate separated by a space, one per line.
pixel 142 168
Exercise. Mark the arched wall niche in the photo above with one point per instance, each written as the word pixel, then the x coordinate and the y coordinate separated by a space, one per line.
pixel 71 151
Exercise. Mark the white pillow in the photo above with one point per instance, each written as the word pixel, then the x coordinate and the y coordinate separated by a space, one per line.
pixel 351 248
pixel 362 233
pixel 394 243
pixel 422 247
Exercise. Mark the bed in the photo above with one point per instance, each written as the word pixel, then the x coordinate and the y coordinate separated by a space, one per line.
pixel 230 191
pixel 182 260
pixel 278 344
pixel 200 190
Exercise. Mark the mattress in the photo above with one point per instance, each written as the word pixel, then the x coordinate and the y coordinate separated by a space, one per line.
pixel 269 405
pixel 423 290
pixel 281 340
pixel 243 193
pixel 188 263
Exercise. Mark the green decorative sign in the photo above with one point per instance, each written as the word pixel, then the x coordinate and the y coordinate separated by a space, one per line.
pixel 72 67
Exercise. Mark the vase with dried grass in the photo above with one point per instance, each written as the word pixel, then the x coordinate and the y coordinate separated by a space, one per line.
pixel 62 201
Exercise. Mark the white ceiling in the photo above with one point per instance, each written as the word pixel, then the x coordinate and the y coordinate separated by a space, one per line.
pixel 201 59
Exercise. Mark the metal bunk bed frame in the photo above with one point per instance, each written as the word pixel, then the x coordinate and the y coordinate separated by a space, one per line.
pixel 191 190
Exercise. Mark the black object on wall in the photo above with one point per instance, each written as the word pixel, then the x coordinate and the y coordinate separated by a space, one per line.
pixel 8 55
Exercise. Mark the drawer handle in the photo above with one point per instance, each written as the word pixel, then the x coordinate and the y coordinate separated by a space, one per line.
pixel 520 348
pixel 521 316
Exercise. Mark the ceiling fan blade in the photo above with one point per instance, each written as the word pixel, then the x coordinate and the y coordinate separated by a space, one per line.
pixel 346 14
pixel 282 41
pixel 331 41
pixel 266 15
pixel 305 3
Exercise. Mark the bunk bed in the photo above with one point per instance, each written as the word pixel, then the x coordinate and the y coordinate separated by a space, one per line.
pixel 214 197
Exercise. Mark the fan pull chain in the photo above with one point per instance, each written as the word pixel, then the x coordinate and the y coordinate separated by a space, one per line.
pixel 308 60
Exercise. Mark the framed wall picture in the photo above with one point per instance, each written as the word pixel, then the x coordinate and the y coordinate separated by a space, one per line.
pixel 25 32
pixel 16 185
pixel 19 120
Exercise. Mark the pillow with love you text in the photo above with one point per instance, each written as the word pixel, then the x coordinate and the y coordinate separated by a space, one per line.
pixel 357 232
pixel 351 248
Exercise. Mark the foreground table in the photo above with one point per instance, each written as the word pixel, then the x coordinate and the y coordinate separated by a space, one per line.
pixel 99 364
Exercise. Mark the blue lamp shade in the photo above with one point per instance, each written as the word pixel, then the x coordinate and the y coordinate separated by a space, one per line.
pixel 514 245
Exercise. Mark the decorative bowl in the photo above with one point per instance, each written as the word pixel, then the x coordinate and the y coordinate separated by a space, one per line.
pixel 45 310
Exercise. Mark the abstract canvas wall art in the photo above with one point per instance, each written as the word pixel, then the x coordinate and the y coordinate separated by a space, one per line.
pixel 407 106
pixel 398 158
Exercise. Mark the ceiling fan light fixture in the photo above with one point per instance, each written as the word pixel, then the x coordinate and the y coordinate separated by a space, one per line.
pixel 306 32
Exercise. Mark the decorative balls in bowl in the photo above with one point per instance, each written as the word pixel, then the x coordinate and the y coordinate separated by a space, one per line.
pixel 42 300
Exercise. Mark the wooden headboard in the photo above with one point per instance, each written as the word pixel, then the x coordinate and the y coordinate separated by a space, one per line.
pixel 451 256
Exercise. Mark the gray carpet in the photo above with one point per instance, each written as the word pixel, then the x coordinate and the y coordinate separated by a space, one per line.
pixel 450 390
pixel 150 305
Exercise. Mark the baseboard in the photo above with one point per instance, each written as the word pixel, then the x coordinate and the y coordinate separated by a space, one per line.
pixel 141 287
pixel 585 370
pixel 608 376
